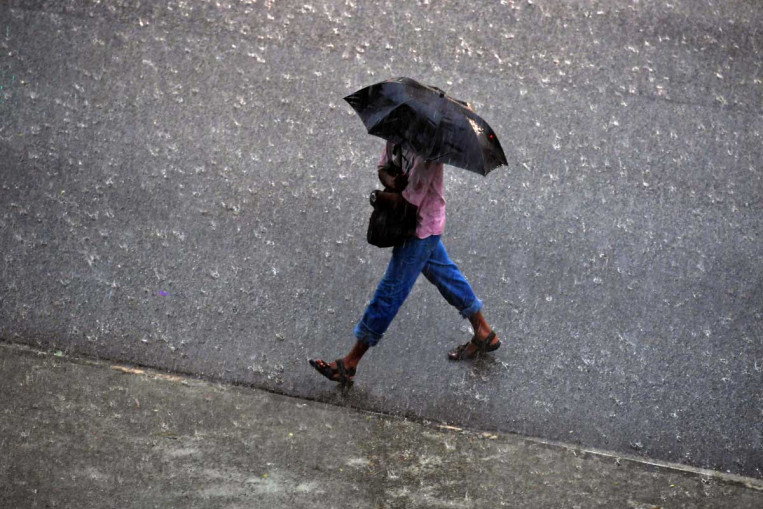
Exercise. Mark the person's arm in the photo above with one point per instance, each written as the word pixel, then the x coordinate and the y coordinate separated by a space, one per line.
pixel 386 177
pixel 392 180
pixel 390 174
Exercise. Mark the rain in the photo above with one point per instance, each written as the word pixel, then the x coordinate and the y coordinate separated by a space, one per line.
pixel 184 189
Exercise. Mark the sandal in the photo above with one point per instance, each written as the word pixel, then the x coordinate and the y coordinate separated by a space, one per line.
pixel 483 346
pixel 339 374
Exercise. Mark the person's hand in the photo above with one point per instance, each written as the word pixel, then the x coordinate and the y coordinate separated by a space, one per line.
pixel 386 176
pixel 400 182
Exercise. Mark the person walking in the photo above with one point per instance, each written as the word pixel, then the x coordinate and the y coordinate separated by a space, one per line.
pixel 422 186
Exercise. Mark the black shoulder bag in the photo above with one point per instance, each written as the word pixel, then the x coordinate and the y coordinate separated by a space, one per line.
pixel 390 226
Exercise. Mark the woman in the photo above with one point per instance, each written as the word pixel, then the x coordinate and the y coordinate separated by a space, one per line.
pixel 422 184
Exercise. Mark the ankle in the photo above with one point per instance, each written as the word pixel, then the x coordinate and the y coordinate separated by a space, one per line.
pixel 351 361
pixel 353 357
pixel 479 324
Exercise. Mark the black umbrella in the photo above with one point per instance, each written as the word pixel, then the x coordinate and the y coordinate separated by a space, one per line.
pixel 427 121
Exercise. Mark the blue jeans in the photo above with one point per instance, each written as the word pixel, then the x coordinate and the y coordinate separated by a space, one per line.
pixel 429 257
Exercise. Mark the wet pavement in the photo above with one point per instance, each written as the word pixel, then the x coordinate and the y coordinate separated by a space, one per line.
pixel 182 186
pixel 80 433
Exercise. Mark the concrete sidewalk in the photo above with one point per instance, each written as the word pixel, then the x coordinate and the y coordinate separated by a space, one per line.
pixel 82 433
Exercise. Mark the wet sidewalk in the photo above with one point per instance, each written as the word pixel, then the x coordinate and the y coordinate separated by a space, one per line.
pixel 82 433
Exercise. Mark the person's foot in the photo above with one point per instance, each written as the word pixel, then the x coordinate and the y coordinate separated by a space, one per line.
pixel 341 370
pixel 484 340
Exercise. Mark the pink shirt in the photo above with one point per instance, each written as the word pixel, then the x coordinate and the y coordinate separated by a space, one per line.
pixel 425 190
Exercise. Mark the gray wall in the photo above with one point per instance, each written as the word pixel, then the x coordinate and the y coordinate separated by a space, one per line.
pixel 204 152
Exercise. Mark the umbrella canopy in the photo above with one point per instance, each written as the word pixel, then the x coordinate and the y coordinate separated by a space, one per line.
pixel 427 121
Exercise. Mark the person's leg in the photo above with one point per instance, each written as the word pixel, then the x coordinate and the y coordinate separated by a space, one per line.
pixel 402 272
pixel 453 286
pixel 447 277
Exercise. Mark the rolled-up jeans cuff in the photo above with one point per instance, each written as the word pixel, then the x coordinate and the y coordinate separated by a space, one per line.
pixel 366 335
pixel 475 306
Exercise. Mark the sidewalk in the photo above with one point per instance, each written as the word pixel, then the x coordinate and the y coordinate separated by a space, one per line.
pixel 80 433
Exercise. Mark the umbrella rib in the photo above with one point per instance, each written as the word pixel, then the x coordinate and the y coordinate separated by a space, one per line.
pixel 386 115
pixel 447 154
